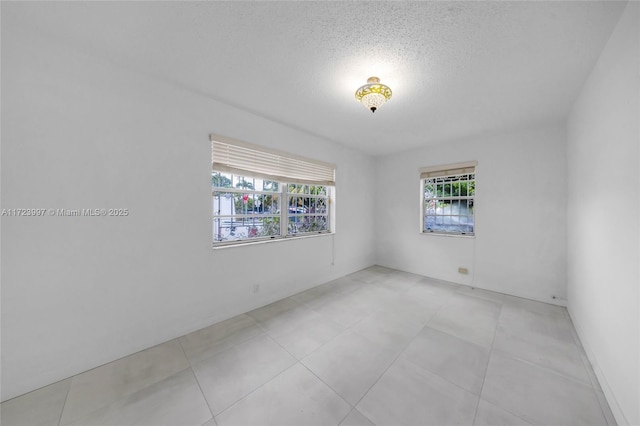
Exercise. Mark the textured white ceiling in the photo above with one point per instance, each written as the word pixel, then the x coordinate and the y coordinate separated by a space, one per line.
pixel 456 69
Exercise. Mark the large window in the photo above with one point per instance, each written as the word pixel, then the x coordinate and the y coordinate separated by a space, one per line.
pixel 261 194
pixel 448 198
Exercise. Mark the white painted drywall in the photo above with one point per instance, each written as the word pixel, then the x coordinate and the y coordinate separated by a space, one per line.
pixel 79 132
pixel 520 214
pixel 603 217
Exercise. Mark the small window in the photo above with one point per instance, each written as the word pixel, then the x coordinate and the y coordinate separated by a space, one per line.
pixel 448 199
pixel 260 194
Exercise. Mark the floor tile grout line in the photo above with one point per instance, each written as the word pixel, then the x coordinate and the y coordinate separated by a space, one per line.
pixel 120 397
pixel 255 390
pixel 388 366
pixel 546 369
pixel 353 407
pixel 345 417
pixel 197 381
pixel 398 355
pixel 495 331
pixel 299 361
pixel 491 352
pixel 435 373
pixel 349 328
pixel 225 350
pixel 265 334
pixel 346 329
pixel 123 397
pixel 66 397
pixel 557 372
pixel 193 373
pixel 70 378
pixel 274 339
pixel 426 325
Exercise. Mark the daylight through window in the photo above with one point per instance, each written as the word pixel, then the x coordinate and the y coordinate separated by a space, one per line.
pixel 259 194
pixel 448 198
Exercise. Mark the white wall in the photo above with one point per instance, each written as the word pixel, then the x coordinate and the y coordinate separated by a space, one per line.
pixel 80 132
pixel 603 218
pixel 520 214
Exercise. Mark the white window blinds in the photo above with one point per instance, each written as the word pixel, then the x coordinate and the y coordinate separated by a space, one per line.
pixel 243 158
pixel 448 170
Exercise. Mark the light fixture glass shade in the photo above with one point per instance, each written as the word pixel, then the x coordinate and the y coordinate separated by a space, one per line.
pixel 372 100
pixel 373 94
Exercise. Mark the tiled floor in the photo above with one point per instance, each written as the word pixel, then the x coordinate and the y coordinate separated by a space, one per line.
pixel 378 347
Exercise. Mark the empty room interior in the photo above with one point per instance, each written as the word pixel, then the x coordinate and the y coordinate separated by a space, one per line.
pixel 320 213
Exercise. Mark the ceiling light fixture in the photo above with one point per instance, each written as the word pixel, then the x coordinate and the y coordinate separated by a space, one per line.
pixel 373 94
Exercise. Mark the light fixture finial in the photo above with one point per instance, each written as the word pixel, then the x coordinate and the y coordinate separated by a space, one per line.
pixel 373 94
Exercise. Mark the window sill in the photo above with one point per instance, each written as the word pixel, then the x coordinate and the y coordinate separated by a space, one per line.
pixel 269 241
pixel 442 234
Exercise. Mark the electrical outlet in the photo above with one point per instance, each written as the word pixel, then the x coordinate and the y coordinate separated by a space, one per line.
pixel 256 288
pixel 462 270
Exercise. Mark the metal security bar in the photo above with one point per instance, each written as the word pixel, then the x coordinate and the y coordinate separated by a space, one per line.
pixel 247 208
pixel 308 208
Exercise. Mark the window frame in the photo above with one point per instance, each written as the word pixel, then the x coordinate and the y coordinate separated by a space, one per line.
pixel 447 172
pixel 285 169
